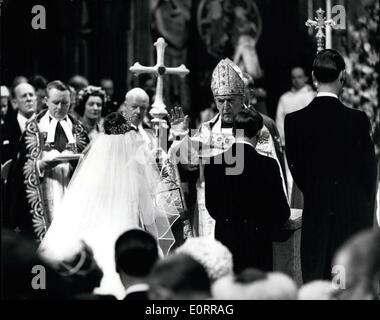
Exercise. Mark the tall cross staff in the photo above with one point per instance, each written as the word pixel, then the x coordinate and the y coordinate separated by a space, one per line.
pixel 158 111
pixel 320 23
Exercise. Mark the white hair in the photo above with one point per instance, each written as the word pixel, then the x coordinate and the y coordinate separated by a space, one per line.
pixel 276 286
pixel 136 92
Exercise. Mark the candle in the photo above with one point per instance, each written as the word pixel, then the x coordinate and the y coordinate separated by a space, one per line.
pixel 328 28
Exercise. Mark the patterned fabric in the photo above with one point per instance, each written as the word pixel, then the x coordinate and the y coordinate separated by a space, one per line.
pixel 35 144
pixel 227 79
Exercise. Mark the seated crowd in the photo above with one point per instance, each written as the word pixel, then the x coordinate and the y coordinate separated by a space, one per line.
pixel 201 268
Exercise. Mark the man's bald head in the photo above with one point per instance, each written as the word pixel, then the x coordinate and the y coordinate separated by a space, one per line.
pixel 136 104
pixel 136 93
pixel 25 99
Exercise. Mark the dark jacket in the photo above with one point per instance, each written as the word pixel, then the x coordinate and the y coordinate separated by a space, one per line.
pixel 331 157
pixel 249 208
pixel 10 137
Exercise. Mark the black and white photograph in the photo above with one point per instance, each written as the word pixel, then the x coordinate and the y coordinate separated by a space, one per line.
pixel 212 151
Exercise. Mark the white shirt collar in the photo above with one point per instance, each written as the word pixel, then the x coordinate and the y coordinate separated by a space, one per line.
pixel 22 120
pixel 327 94
pixel 49 124
pixel 137 288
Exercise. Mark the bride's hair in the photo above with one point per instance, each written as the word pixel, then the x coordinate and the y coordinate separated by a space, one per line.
pixel 115 123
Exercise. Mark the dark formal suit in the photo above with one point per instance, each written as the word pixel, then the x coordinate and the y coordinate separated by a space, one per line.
pixel 249 208
pixel 10 137
pixel 331 157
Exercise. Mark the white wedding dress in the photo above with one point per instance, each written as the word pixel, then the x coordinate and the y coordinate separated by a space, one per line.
pixel 116 187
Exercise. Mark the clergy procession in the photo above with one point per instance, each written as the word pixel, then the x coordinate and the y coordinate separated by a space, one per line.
pixel 196 158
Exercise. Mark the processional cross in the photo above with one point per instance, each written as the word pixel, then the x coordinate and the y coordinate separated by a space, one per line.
pixel 158 111
pixel 320 23
pixel 174 196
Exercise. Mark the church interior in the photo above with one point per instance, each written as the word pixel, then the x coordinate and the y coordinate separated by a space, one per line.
pixel 93 44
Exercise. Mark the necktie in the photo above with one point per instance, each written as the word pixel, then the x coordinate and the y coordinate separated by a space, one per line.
pixel 60 139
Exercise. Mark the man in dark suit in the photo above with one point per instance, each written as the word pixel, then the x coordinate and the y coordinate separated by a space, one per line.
pixel 136 251
pixel 331 157
pixel 244 194
pixel 24 98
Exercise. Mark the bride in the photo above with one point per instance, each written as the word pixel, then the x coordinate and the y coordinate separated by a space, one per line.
pixel 115 187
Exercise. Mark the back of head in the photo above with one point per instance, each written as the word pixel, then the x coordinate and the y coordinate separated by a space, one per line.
pixel 179 276
pixel 271 286
pixel 327 66
pixel 115 124
pixel 23 268
pixel 78 82
pixel 359 256
pixel 18 258
pixel 211 254
pixel 81 270
pixel 136 252
pixel 39 82
pixel 317 290
pixel 248 122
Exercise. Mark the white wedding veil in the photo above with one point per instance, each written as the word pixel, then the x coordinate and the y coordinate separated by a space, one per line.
pixel 115 187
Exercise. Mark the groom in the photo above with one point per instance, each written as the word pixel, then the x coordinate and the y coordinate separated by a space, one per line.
pixel 248 217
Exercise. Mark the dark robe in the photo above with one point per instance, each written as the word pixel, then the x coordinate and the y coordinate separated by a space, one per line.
pixel 331 157
pixel 25 206
pixel 249 208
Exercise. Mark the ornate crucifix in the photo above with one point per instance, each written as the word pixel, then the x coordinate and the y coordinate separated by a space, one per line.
pixel 158 111
pixel 158 107
pixel 169 171
pixel 320 23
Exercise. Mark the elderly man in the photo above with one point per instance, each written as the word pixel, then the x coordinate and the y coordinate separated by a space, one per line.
pixel 25 102
pixel 41 170
pixel 214 136
pixel 135 107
